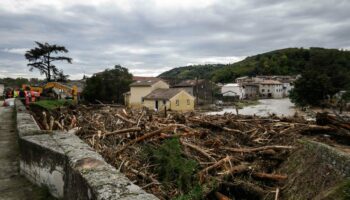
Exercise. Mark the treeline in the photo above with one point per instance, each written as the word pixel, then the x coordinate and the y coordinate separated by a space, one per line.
pixel 290 61
pixel 192 72
pixel 18 82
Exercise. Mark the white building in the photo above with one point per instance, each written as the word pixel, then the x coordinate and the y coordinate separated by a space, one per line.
pixel 243 79
pixel 232 89
pixel 287 87
pixel 271 89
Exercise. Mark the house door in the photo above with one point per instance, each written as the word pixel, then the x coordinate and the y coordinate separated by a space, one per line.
pixel 156 106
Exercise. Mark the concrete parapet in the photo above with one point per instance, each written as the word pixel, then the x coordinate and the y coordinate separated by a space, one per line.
pixel 67 166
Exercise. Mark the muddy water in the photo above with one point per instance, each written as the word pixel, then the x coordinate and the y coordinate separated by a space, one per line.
pixel 281 107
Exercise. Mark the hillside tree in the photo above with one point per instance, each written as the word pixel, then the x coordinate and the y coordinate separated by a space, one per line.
pixel 326 74
pixel 42 58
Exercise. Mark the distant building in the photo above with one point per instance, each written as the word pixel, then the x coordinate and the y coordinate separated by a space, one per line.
pixel 268 86
pixel 233 90
pixel 201 89
pixel 142 87
pixel 271 89
pixel 287 87
pixel 251 90
pixel 175 99
pixel 243 79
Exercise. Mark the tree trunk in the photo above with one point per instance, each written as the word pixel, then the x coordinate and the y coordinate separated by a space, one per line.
pixel 48 68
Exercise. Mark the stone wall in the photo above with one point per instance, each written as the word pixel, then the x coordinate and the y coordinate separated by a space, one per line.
pixel 67 166
pixel 317 171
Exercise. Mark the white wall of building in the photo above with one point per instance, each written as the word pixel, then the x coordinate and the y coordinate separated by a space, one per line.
pixel 232 89
pixel 287 87
pixel 271 90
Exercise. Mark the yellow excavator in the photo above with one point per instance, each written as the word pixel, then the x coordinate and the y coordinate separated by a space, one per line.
pixel 68 91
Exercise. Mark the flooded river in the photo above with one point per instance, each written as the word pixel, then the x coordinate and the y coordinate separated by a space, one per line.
pixel 281 107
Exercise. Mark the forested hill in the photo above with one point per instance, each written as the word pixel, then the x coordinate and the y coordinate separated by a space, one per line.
pixel 290 61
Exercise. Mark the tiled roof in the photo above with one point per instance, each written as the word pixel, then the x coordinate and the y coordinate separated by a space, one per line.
pixel 188 83
pixel 163 94
pixel 142 78
pixel 270 82
pixel 145 82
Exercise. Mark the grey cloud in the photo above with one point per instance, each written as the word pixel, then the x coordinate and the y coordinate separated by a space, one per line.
pixel 149 40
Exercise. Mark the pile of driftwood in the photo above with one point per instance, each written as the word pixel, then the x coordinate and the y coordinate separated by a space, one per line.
pixel 238 156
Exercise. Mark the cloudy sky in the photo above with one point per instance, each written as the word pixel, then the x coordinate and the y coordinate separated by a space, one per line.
pixel 152 36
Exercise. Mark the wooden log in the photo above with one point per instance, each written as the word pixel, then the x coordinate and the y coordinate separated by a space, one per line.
pixel 144 137
pixel 234 170
pixel 128 130
pixel 258 120
pixel 272 177
pixel 183 126
pixel 231 130
pixel 147 177
pixel 252 150
pixel 331 129
pixel 247 187
pixel 220 196
pixel 318 128
pixel 125 113
pixel 277 193
pixel 45 124
pixel 59 125
pixel 206 124
pixel 325 119
pixel 125 119
pixel 140 118
pixel 198 149
pixel 73 122
pixel 178 135
pixel 215 165
pixel 51 123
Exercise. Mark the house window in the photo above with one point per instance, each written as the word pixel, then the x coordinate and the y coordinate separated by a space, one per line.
pixel 268 90
pixel 177 102
pixel 188 102
pixel 262 90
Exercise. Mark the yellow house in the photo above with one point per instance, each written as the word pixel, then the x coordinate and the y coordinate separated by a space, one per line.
pixel 140 88
pixel 176 99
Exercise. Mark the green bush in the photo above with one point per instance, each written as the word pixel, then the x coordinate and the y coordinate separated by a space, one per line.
pixel 172 167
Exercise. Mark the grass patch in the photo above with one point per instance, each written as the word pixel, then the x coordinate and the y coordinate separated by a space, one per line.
pixel 53 104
